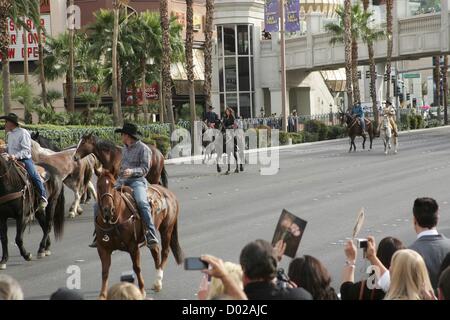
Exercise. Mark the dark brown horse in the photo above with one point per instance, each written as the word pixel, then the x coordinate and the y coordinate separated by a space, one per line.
pixel 118 227
pixel 18 198
pixel 110 157
pixel 354 129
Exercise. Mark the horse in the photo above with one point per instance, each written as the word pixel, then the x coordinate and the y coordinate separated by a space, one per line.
pixel 119 227
pixel 354 129
pixel 110 156
pixel 387 135
pixel 229 143
pixel 75 174
pixel 208 134
pixel 74 180
pixel 19 197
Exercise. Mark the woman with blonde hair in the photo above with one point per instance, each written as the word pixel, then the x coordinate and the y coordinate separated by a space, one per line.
pixel 124 291
pixel 215 289
pixel 10 288
pixel 409 277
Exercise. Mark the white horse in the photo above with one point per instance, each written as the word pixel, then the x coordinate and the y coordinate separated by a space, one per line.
pixel 387 136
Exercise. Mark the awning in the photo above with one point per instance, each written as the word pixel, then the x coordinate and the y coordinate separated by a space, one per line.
pixel 335 79
pixel 179 75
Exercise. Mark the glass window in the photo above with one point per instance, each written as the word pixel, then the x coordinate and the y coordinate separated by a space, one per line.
pixel 230 74
pixel 252 75
pixel 243 45
pixel 232 101
pixel 219 40
pixel 221 74
pixel 222 103
pixel 244 75
pixel 251 39
pixel 244 105
pixel 229 39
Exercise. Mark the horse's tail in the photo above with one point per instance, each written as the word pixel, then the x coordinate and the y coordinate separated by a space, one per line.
pixel 164 178
pixel 58 217
pixel 175 245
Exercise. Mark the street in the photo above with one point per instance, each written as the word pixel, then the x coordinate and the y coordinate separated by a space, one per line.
pixel 220 214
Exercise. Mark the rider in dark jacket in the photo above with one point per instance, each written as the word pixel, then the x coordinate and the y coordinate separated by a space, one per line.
pixel 228 120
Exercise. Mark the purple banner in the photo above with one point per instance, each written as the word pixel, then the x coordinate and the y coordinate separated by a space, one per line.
pixel 271 15
pixel 292 9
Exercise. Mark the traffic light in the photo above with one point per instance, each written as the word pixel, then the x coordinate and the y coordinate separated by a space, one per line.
pixel 367 74
pixel 385 77
pixel 359 75
pixel 398 90
pixel 408 96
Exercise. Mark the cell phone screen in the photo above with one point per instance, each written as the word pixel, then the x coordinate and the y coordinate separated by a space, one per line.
pixel 194 264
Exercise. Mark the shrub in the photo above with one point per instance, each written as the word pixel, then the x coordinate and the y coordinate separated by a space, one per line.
pixel 162 142
pixel 297 137
pixel 284 138
pixel 316 126
pixel 336 132
pixel 433 123
pixel 311 137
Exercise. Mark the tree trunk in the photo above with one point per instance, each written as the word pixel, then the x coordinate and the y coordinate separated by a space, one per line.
pixel 165 65
pixel 445 88
pixel 41 63
pixel 356 91
pixel 135 100
pixel 208 50
pixel 115 87
pixel 389 27
pixel 161 100
pixel 190 63
pixel 348 52
pixel 4 45
pixel 373 73
pixel 26 75
pixel 70 88
pixel 436 80
pixel 143 90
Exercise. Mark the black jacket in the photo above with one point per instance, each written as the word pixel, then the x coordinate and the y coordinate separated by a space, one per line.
pixel 228 122
pixel 269 291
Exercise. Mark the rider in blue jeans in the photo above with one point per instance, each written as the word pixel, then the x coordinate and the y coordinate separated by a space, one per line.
pixel 136 163
pixel 19 149
pixel 359 114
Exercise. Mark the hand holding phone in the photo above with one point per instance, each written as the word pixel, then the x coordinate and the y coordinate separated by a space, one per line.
pixel 194 264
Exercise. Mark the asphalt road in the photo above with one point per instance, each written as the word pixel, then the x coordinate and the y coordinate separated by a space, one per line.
pixel 320 183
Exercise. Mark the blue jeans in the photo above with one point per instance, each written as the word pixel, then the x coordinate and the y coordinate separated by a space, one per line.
pixel 34 175
pixel 362 123
pixel 139 187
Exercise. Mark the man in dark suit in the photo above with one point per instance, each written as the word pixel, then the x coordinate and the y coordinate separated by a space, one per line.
pixel 210 116
pixel 259 264
pixel 431 245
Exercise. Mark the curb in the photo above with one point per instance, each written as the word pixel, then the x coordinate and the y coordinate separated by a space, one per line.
pixel 292 146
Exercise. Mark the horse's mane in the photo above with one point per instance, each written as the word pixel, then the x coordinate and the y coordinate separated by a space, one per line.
pixel 10 176
pixel 107 174
pixel 104 145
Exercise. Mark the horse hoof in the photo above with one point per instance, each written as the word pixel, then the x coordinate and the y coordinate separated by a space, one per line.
pixel 40 255
pixel 71 214
pixel 48 253
pixel 80 210
pixel 236 171
pixel 157 287
pixel 227 173
pixel 2 266
pixel 28 257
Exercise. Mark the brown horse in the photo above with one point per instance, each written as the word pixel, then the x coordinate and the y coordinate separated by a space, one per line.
pixel 110 156
pixel 119 227
pixel 354 129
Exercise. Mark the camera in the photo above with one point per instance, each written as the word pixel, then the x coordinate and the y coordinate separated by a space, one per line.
pixel 362 243
pixel 282 279
pixel 128 277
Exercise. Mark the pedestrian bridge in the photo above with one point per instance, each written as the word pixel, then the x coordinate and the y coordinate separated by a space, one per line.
pixel 414 37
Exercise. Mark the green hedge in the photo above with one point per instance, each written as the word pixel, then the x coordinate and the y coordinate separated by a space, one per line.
pixel 160 141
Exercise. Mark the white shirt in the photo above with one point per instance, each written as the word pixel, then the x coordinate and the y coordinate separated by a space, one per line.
pixel 432 232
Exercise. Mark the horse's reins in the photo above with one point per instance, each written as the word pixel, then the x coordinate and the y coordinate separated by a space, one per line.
pixel 112 198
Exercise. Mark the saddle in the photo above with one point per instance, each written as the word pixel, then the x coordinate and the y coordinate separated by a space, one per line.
pixel 43 174
pixel 157 200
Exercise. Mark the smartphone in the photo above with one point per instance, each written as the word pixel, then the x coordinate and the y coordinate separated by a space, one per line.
pixel 194 264
pixel 128 277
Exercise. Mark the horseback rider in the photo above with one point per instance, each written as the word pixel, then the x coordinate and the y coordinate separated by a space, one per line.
pixel 19 149
pixel 389 111
pixel 358 113
pixel 136 163
pixel 210 117
pixel 228 120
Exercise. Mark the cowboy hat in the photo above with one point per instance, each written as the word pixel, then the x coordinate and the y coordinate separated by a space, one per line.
pixel 12 117
pixel 130 129
pixel 388 103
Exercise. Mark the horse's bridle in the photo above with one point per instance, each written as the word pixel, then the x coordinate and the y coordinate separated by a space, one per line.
pixel 100 207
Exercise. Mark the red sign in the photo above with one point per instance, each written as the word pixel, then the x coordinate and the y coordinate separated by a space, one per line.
pixel 151 92
pixel 45 6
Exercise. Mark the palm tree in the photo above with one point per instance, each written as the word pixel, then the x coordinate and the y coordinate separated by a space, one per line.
pixel 165 66
pixel 5 8
pixel 70 91
pixel 40 30
pixel 190 61
pixel 445 86
pixel 117 112
pixel 369 36
pixel 389 29
pixel 208 50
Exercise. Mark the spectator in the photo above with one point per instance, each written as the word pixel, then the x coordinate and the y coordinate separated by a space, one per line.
pixel 409 277
pixel 444 285
pixel 445 264
pixel 431 245
pixel 67 294
pixel 215 289
pixel 10 288
pixel 124 291
pixel 259 263
pixel 360 290
pixel 310 274
pixel 217 270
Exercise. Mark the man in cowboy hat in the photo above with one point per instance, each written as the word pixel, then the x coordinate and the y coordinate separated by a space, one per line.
pixel 19 149
pixel 358 112
pixel 136 163
pixel 389 111
pixel 210 116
